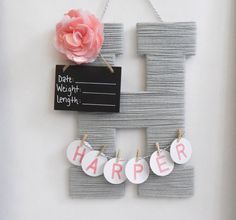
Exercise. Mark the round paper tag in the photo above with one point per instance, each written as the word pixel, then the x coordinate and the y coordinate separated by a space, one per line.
pixel 114 171
pixel 137 172
pixel 92 164
pixel 180 151
pixel 162 164
pixel 75 151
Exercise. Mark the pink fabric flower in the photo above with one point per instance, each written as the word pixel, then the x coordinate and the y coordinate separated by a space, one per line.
pixel 79 36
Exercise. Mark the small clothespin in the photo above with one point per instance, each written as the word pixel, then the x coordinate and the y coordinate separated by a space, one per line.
pixel 101 150
pixel 158 148
pixel 137 155
pixel 118 156
pixel 180 133
pixel 85 136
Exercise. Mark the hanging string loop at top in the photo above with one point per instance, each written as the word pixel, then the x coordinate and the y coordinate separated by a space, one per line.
pixel 149 1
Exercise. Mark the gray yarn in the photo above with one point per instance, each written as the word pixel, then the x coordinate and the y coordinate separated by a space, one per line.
pixel 170 186
pixel 160 109
pixel 114 38
pixel 166 38
pixel 83 187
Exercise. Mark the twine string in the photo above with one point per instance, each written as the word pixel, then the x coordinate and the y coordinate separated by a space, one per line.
pixel 108 65
pixel 180 134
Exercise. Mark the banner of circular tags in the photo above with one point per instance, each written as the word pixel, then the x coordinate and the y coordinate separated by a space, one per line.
pixel 115 170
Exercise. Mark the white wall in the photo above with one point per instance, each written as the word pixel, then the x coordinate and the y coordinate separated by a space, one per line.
pixel 33 136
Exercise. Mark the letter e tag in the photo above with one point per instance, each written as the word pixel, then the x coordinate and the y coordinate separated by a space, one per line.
pixel 162 164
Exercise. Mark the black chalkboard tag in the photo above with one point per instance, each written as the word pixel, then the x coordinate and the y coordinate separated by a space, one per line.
pixel 87 88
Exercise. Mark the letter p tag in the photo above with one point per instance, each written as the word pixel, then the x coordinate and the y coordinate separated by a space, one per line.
pixel 137 172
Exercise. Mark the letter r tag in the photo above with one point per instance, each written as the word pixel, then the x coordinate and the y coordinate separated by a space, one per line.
pixel 181 151
pixel 114 171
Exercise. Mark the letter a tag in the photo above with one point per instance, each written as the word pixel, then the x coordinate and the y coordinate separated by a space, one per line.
pixel 93 163
pixel 180 151
pixel 114 171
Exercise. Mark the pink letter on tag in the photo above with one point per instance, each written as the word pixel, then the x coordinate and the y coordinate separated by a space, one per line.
pixel 161 164
pixel 93 165
pixel 116 168
pixel 180 150
pixel 77 153
pixel 138 168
